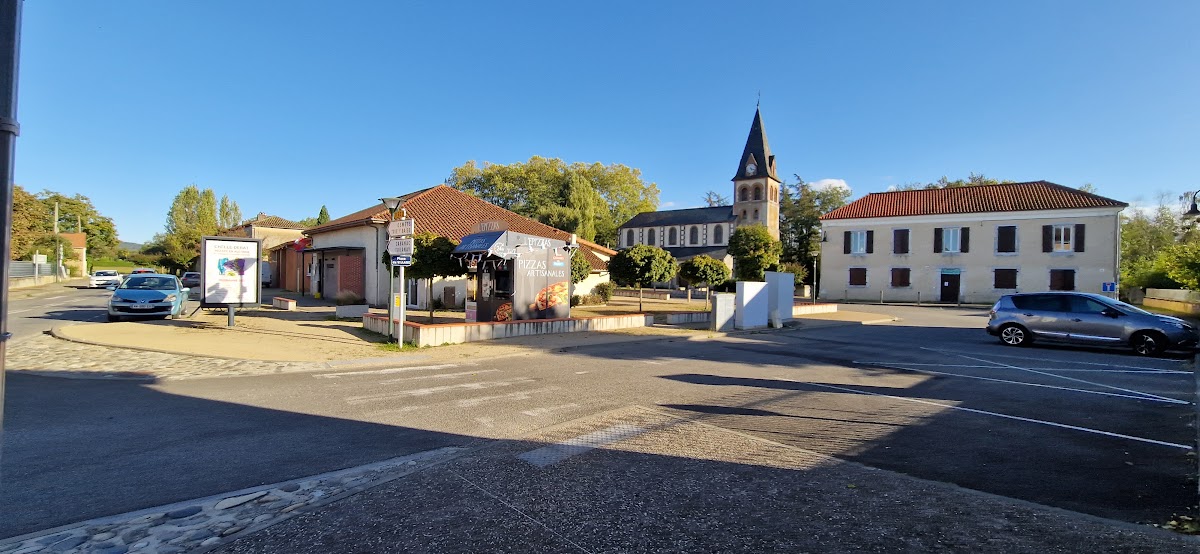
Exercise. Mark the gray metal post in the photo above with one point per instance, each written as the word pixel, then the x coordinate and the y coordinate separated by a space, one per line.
pixel 229 310
pixel 403 308
pixel 391 293
pixel 10 40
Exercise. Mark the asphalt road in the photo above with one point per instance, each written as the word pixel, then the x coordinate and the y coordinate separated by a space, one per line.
pixel 931 396
pixel 35 311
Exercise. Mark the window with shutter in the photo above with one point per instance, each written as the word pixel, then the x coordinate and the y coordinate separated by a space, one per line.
pixel 857 242
pixel 858 277
pixel 937 240
pixel 1062 279
pixel 1006 239
pixel 1005 279
pixel 951 240
pixel 901 276
pixel 1063 238
pixel 870 242
pixel 900 241
pixel 1079 237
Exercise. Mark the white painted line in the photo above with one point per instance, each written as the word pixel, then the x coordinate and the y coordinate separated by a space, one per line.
pixel 54 298
pixel 519 395
pixel 581 372
pixel 434 390
pixel 439 376
pixel 557 452
pixel 536 412
pixel 997 414
pixel 1102 385
pixel 1027 384
pixel 385 371
pixel 1148 371
pixel 523 514
pixel 1072 362
pixel 19 311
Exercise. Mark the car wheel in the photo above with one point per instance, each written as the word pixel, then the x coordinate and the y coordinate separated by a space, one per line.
pixel 112 318
pixel 1147 344
pixel 1014 335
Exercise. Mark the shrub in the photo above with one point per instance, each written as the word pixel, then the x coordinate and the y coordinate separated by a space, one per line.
pixel 348 298
pixel 727 286
pixel 604 291
pixel 576 300
pixel 439 304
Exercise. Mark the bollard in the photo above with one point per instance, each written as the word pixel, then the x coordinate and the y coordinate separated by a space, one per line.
pixel 918 298
pixel 881 297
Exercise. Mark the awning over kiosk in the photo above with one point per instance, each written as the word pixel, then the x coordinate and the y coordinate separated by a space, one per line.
pixel 506 245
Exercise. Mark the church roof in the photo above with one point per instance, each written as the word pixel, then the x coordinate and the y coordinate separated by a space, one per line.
pixel 758 151
pixel 690 216
pixel 687 252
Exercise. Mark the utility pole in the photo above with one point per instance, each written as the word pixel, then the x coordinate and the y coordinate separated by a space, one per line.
pixel 10 39
pixel 57 246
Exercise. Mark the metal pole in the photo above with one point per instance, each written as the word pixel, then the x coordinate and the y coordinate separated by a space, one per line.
pixel 10 40
pixel 403 308
pixel 229 310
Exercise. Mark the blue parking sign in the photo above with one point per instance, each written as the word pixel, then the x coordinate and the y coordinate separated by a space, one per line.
pixel 1108 287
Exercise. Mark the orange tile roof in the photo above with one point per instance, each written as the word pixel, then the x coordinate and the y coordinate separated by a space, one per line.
pixel 77 240
pixel 451 213
pixel 1009 197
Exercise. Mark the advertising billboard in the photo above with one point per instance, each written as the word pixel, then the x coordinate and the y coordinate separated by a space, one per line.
pixel 229 271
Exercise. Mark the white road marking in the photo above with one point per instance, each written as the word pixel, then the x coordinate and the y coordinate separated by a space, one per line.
pixel 385 371
pixel 1027 358
pixel 536 412
pixel 1102 385
pixel 652 362
pixel 557 452
pixel 434 390
pixel 519 395
pixel 997 414
pixel 54 298
pixel 439 376
pixel 19 311
pixel 396 411
pixel 581 372
pixel 1027 384
pixel 1150 371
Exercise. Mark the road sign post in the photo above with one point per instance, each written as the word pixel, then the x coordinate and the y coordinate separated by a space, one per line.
pixel 400 247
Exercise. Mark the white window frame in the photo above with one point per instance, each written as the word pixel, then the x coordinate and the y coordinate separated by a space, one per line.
pixel 858 242
pixel 952 236
pixel 1062 238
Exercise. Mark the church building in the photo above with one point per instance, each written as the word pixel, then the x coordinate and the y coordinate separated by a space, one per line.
pixel 695 231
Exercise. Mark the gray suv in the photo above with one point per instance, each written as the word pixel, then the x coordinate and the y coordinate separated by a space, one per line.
pixel 1083 318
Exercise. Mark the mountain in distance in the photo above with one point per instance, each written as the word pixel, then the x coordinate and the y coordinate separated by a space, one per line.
pixel 131 246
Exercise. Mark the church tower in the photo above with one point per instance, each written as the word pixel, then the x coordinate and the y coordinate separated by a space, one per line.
pixel 756 185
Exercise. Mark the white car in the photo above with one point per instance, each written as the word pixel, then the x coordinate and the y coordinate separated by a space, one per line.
pixel 104 278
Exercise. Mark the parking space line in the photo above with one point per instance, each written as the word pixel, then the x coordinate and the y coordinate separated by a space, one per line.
pixel 1146 394
pixel 997 414
pixel 385 371
pixel 1149 371
pixel 439 376
pixel 1011 382
pixel 1064 361
pixel 434 390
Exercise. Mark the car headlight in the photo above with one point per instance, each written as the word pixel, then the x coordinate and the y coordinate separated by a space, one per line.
pixel 169 298
pixel 116 298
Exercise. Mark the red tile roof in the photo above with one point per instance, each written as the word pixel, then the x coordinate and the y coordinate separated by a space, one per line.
pixel 273 221
pixel 1009 197
pixel 448 212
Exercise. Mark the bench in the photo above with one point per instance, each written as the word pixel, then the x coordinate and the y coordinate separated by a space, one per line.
pixel 283 303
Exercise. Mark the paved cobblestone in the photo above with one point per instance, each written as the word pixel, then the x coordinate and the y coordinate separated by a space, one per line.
pixel 45 353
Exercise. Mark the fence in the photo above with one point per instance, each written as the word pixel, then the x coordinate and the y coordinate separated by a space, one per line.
pixel 18 269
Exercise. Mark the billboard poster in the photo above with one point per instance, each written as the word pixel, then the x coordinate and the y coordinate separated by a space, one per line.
pixel 543 283
pixel 229 272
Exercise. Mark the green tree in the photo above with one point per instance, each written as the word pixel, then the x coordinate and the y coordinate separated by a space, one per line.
pixel 30 220
pixel 704 270
pixel 432 258
pixel 580 267
pixel 800 209
pixel 640 266
pixel 590 200
pixel 972 180
pixel 48 244
pixel 193 215
pixel 1182 264
pixel 229 215
pixel 754 252
pixel 323 217
pixel 76 214
pixel 1144 237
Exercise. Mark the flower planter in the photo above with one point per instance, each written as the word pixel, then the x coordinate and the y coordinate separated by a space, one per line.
pixel 352 310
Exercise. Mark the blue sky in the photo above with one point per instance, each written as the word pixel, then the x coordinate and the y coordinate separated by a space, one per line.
pixel 285 106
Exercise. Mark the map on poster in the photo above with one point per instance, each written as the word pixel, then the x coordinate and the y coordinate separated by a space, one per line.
pixel 230 270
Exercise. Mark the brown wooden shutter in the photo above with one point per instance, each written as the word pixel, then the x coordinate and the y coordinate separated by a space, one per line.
pixel 846 242
pixel 966 240
pixel 870 242
pixel 1047 238
pixel 937 239
pixel 1006 239
pixel 900 241
pixel 1079 237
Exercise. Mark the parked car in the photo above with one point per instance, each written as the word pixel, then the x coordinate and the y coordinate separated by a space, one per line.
pixel 190 279
pixel 1084 318
pixel 143 270
pixel 104 278
pixel 147 294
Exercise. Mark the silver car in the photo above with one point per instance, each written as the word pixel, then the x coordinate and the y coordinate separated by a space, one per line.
pixel 1084 318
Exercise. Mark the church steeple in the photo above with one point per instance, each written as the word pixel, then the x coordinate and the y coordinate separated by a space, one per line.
pixel 757 160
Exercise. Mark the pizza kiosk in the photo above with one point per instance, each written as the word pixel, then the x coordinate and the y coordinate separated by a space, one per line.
pixel 513 276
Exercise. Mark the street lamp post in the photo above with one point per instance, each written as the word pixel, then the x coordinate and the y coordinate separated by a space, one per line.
pixel 1193 213
pixel 392 203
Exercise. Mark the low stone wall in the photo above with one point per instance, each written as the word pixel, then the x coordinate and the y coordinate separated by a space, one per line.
pixel 1172 305
pixel 1176 295
pixel 681 318
pixel 805 309
pixel 458 333
pixel 647 295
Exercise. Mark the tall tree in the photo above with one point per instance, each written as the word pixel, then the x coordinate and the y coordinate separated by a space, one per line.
pixel 30 220
pixel 972 180
pixel 1145 236
pixel 704 270
pixel 228 214
pixel 323 217
pixel 590 200
pixel 640 266
pixel 754 252
pixel 76 214
pixel 714 199
pixel 431 258
pixel 580 267
pixel 193 215
pixel 800 209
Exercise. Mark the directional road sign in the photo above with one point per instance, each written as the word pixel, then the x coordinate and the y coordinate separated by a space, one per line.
pixel 400 247
pixel 400 228
pixel 401 261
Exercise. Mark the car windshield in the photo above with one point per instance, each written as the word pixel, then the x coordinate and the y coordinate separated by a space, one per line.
pixel 190 274
pixel 106 273
pixel 149 283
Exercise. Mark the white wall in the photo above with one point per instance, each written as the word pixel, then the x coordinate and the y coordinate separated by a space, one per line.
pixel 367 237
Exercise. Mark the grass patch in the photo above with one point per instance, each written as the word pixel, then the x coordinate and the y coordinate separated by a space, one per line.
pixel 395 347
